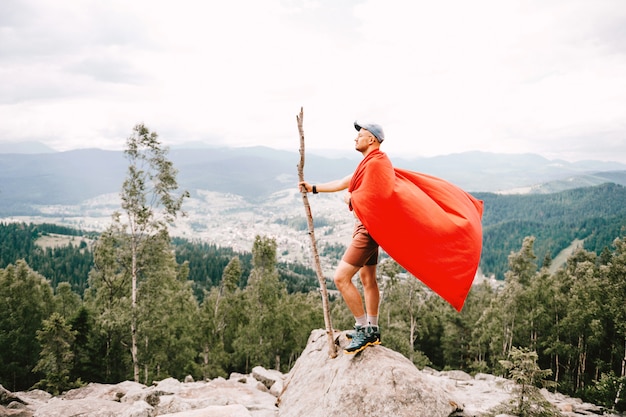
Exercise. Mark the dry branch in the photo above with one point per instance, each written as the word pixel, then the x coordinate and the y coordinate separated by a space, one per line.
pixel 332 348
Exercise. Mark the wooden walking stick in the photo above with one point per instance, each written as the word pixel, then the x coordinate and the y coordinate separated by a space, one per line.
pixel 332 348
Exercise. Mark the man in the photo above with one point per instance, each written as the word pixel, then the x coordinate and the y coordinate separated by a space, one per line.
pixel 362 254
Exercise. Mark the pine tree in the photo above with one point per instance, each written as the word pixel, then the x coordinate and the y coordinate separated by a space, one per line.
pixel 108 300
pixel 167 313
pixel 67 303
pixel 583 323
pixel 523 369
pixel 617 292
pixel 25 301
pixel 261 339
pixel 218 323
pixel 403 304
pixel 56 357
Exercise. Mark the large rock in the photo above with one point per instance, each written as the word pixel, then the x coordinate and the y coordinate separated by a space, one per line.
pixel 19 411
pixel 6 396
pixel 476 396
pixel 234 410
pixel 92 407
pixel 377 382
pixel 35 397
pixel 104 391
pixel 215 393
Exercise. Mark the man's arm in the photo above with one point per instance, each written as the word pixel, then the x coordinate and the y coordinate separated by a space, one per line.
pixel 328 187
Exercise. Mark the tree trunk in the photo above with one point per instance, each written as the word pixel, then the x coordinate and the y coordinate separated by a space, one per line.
pixel 412 334
pixel 621 384
pixel 146 370
pixel 133 311
pixel 511 332
pixel 205 361
pixel 582 359
pixel 624 360
pixel 556 356
pixel 556 371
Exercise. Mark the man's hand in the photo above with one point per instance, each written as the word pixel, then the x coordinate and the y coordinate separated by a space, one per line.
pixel 303 185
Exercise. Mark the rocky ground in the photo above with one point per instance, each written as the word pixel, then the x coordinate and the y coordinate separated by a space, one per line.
pixel 376 382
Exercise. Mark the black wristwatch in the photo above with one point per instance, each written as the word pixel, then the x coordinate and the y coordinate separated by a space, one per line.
pixel 314 188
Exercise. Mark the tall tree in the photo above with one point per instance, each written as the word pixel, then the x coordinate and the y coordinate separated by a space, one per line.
pixel 108 299
pixel 215 325
pixel 167 313
pixel 481 308
pixel 583 322
pixel 261 339
pixel 149 204
pixel 67 302
pixel 403 303
pixel 26 300
pixel 522 268
pixel 617 272
pixel 56 357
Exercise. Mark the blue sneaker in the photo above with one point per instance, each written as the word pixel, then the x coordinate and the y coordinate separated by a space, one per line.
pixel 362 338
pixel 351 334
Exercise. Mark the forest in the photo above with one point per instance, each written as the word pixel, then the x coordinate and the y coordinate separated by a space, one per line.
pixel 54 339
pixel 596 215
pixel 139 315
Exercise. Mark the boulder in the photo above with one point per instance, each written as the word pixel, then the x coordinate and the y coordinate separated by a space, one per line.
pixel 217 393
pixel 6 396
pixel 15 412
pixel 376 382
pixel 457 375
pixel 104 391
pixel 266 376
pixel 234 410
pixel 34 397
pixel 475 396
pixel 92 407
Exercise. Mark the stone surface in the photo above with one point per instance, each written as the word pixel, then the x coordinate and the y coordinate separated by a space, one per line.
pixel 9 412
pixel 267 376
pixel 92 407
pixel 235 410
pixel 104 391
pixel 376 382
pixel 6 396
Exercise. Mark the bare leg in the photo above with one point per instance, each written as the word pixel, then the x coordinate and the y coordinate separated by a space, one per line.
pixel 370 289
pixel 349 292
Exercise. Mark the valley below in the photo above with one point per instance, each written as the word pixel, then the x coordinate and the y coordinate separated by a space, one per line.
pixel 226 220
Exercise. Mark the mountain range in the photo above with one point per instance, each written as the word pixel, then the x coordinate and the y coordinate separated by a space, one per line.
pixel 28 180
pixel 239 193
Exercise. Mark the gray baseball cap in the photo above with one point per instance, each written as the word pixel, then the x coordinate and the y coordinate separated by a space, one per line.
pixel 373 128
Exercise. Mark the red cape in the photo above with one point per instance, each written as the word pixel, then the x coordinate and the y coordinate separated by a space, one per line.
pixel 430 227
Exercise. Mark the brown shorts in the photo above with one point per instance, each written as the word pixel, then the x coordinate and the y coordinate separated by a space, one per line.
pixel 363 250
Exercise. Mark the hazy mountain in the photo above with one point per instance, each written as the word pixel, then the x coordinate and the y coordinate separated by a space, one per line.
pixel 24 147
pixel 238 193
pixel 66 178
pixel 483 171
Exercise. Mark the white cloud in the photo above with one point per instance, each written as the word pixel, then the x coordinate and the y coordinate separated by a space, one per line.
pixel 441 77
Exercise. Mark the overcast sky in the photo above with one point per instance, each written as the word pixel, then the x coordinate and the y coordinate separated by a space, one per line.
pixel 441 77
